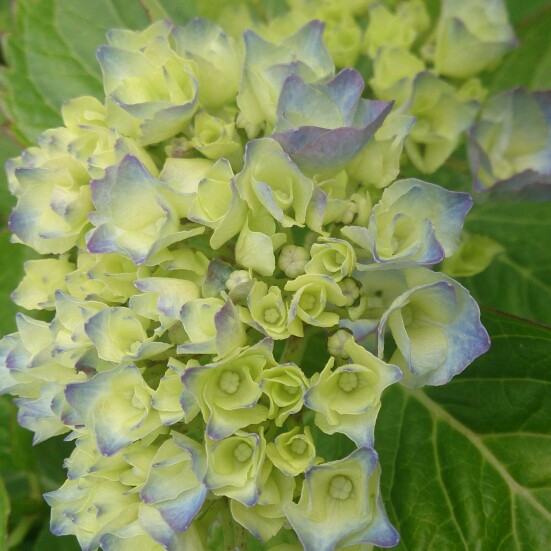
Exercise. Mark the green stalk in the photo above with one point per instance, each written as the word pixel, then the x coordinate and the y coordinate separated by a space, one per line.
pixel 294 350
pixel 235 536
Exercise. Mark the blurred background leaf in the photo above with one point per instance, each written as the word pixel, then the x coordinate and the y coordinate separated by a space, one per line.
pixel 529 65
pixel 4 514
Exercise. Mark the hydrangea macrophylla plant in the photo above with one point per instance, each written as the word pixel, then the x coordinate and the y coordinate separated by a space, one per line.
pixel 198 236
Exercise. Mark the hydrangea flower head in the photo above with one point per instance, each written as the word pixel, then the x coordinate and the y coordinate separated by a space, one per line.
pixel 226 202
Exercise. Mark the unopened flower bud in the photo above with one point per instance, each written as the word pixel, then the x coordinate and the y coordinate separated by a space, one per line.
pixel 292 260
pixel 236 278
pixel 336 343
pixel 350 290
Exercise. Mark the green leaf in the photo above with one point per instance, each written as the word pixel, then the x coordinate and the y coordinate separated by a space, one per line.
pixel 521 13
pixel 528 65
pixel 518 282
pixel 17 469
pixel 10 275
pixel 466 466
pixel 51 471
pixel 13 270
pixel 4 514
pixel 15 442
pixel 51 56
pixel 175 10
pixel 5 15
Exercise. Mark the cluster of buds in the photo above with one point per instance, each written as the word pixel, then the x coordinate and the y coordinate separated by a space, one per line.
pixel 233 278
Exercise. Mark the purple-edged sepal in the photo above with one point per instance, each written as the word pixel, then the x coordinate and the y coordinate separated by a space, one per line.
pixel 116 406
pixel 323 126
pixel 340 504
pixel 436 327
pixel 510 145
pixel 414 223
pixel 174 484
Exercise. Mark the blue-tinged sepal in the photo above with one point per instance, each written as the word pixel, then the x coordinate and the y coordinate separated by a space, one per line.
pixel 414 223
pixel 436 327
pixel 323 126
pixel 510 145
pixel 340 504
pixel 116 406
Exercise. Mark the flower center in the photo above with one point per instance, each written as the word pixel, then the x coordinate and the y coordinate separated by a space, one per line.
pixel 292 390
pixel 298 447
pixel 229 382
pixel 341 487
pixel 243 452
pixel 338 258
pixel 348 381
pixel 271 315
pixel 307 302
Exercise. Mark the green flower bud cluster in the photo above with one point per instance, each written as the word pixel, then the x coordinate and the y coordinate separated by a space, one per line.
pixel 222 281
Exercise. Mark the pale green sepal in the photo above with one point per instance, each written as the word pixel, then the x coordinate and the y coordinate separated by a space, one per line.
pixel 88 508
pixel 266 67
pixel 133 228
pixel 414 223
pixel 174 483
pixel 332 257
pixel 41 280
pixel 117 333
pixel 213 327
pixel 271 181
pixel 387 28
pixel 217 138
pixel 475 254
pixel 228 391
pixel 266 518
pixel 218 60
pixel 292 452
pixel 471 36
pixel 116 406
pixel 509 147
pixel 284 386
pixel 217 204
pixel 313 293
pixel 166 398
pixel 182 177
pixel 172 293
pixel 442 116
pixel 53 198
pixel 267 311
pixel 235 466
pixel 104 277
pixel 159 253
pixel 152 93
pixel 340 503
pixel 257 242
pixel 378 163
pixel 394 70
pixel 347 398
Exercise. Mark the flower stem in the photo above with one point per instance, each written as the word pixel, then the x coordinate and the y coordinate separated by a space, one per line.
pixel 235 536
pixel 227 528
pixel 240 537
pixel 294 350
